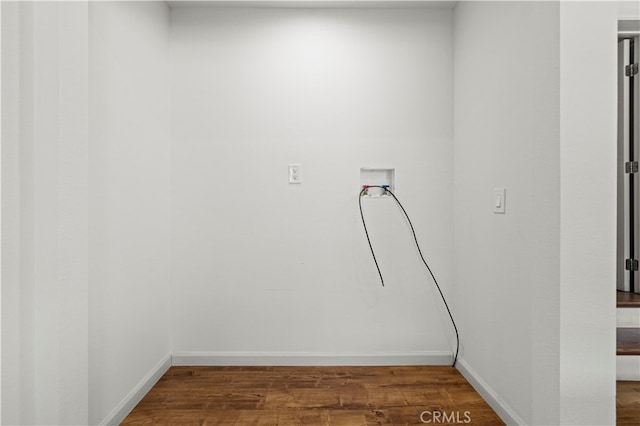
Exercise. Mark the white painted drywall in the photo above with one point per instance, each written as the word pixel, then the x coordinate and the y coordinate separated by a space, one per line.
pixel 0 223
pixel 45 197
pixel 507 135
pixel 556 359
pixel 588 47
pixel 9 191
pixel 129 199
pixel 263 267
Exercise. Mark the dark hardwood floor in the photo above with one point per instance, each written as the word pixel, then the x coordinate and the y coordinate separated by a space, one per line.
pixel 313 396
pixel 628 300
pixel 628 341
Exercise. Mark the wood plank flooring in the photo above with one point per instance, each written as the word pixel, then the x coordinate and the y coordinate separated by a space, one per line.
pixel 628 300
pixel 628 341
pixel 628 403
pixel 312 396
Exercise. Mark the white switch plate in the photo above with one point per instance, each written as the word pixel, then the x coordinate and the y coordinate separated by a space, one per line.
pixel 294 173
pixel 499 200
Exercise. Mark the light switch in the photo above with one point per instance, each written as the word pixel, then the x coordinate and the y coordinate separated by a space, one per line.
pixel 499 200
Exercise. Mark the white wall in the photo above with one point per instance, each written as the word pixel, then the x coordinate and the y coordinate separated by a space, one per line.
pixel 129 200
pixel 85 209
pixel 507 135
pixel 10 216
pixel 264 268
pixel 0 226
pixel 44 198
pixel 538 115
pixel 261 267
pixel 10 213
pixel 588 47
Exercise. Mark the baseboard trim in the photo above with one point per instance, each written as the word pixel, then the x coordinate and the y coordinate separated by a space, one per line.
pixel 309 359
pixel 502 409
pixel 122 410
pixel 628 368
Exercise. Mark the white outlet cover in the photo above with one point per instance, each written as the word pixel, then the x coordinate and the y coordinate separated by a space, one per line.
pixel 294 173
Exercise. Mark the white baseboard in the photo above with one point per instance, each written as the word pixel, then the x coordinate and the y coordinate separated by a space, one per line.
pixel 627 317
pixel 502 409
pixel 309 359
pixel 628 368
pixel 118 414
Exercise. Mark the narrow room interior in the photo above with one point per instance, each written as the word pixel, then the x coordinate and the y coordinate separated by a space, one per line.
pixel 181 190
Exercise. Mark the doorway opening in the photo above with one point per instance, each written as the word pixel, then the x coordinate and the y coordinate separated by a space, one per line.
pixel 628 268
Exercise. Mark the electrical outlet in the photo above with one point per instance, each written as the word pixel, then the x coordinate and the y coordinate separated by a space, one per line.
pixel 294 173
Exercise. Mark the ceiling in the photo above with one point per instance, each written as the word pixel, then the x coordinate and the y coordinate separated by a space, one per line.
pixel 317 3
